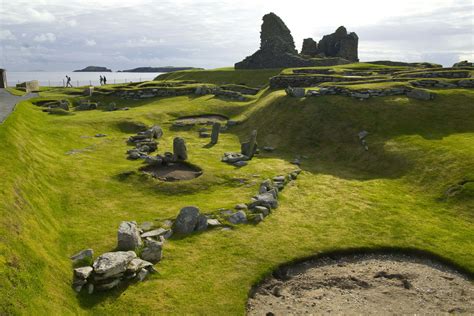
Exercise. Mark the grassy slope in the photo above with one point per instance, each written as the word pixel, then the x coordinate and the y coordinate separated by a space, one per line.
pixel 252 78
pixel 54 204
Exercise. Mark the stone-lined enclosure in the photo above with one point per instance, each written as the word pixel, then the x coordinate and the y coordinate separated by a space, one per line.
pixel 139 247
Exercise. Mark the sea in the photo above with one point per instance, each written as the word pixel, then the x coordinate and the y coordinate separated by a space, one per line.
pixel 78 79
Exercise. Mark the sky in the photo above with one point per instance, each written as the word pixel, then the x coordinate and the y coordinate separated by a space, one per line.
pixel 63 35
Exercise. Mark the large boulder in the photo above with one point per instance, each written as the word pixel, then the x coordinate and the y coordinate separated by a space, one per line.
pixel 277 47
pixel 187 220
pixel 340 44
pixel 128 236
pixel 310 47
pixel 111 264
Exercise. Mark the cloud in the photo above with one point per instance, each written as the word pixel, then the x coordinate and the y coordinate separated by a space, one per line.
pixel 143 42
pixel 45 37
pixel 90 42
pixel 6 35
pixel 71 22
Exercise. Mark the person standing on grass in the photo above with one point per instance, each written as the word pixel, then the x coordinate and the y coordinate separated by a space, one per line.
pixel 68 81
pixel 105 80
pixel 101 80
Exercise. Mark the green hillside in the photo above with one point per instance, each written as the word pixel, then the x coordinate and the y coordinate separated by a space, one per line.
pixel 63 190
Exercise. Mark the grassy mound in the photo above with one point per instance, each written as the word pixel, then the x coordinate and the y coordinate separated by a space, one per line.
pixel 63 190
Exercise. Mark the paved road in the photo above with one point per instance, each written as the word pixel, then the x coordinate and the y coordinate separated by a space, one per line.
pixel 8 102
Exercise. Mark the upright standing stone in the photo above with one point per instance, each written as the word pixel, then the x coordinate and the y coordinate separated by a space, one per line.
pixel 216 127
pixel 249 148
pixel 3 78
pixel 128 236
pixel 180 151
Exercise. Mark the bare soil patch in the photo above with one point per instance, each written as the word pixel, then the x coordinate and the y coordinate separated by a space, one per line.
pixel 364 284
pixel 175 171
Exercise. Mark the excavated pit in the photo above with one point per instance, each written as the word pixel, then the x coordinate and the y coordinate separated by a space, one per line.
pixel 363 284
pixel 175 171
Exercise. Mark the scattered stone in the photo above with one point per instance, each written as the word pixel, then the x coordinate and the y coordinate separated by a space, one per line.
pixel 100 135
pixel 296 161
pixel 155 233
pixel 152 251
pixel 216 127
pixel 261 209
pixel 142 275
pixel 258 218
pixel 295 92
pixel 83 272
pixel 268 148
pixel 264 199
pixel 238 218
pixel 213 222
pixel 180 151
pixel 279 179
pixel 250 148
pixel 137 264
pixel 241 206
pixel 83 256
pixel 240 163
pixel 186 221
pixel 234 157
pixel 128 236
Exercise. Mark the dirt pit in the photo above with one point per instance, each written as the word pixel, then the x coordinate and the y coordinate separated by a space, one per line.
pixel 176 171
pixel 207 119
pixel 363 284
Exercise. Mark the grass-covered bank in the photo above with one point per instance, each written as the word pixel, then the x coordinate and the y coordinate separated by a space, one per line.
pixel 54 203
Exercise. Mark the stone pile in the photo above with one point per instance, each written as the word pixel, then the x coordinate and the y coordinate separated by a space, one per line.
pixel 123 266
pixel 247 150
pixel 144 142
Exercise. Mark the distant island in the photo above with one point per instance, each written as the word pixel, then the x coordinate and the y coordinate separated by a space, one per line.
pixel 158 69
pixel 94 69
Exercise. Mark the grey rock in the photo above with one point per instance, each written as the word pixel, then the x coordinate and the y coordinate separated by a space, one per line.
pixel 238 218
pixel 258 218
pixel 100 135
pixel 213 222
pixel 83 272
pixel 295 92
pixel 261 209
pixel 128 236
pixel 180 151
pixel 279 179
pixel 269 148
pixel 240 163
pixel 110 264
pixel 155 233
pixel 153 251
pixel 146 226
pixel 186 221
pixel 156 132
pixel 142 275
pixel 108 286
pixel 241 206
pixel 90 288
pixel 250 148
pixel 216 127
pixel 83 255
pixel 137 264
pixel 265 199
pixel 234 157
pixel 201 224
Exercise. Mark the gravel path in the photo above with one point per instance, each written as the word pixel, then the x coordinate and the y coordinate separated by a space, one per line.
pixel 364 284
pixel 8 102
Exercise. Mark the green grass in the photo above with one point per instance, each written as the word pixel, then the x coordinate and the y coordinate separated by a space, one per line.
pixel 220 76
pixel 17 92
pixel 53 204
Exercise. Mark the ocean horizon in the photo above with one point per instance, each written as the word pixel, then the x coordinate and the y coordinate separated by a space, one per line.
pixel 58 78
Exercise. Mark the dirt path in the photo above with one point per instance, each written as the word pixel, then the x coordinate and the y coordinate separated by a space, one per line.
pixel 364 284
pixel 8 102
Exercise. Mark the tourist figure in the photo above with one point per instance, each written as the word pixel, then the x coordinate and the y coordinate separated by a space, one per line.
pixel 68 81
pixel 101 80
pixel 105 80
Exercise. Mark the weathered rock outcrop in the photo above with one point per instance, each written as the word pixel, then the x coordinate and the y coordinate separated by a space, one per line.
pixel 340 44
pixel 277 47
pixel 310 47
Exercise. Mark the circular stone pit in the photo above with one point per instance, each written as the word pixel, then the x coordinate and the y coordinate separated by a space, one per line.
pixel 174 171
pixel 363 284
